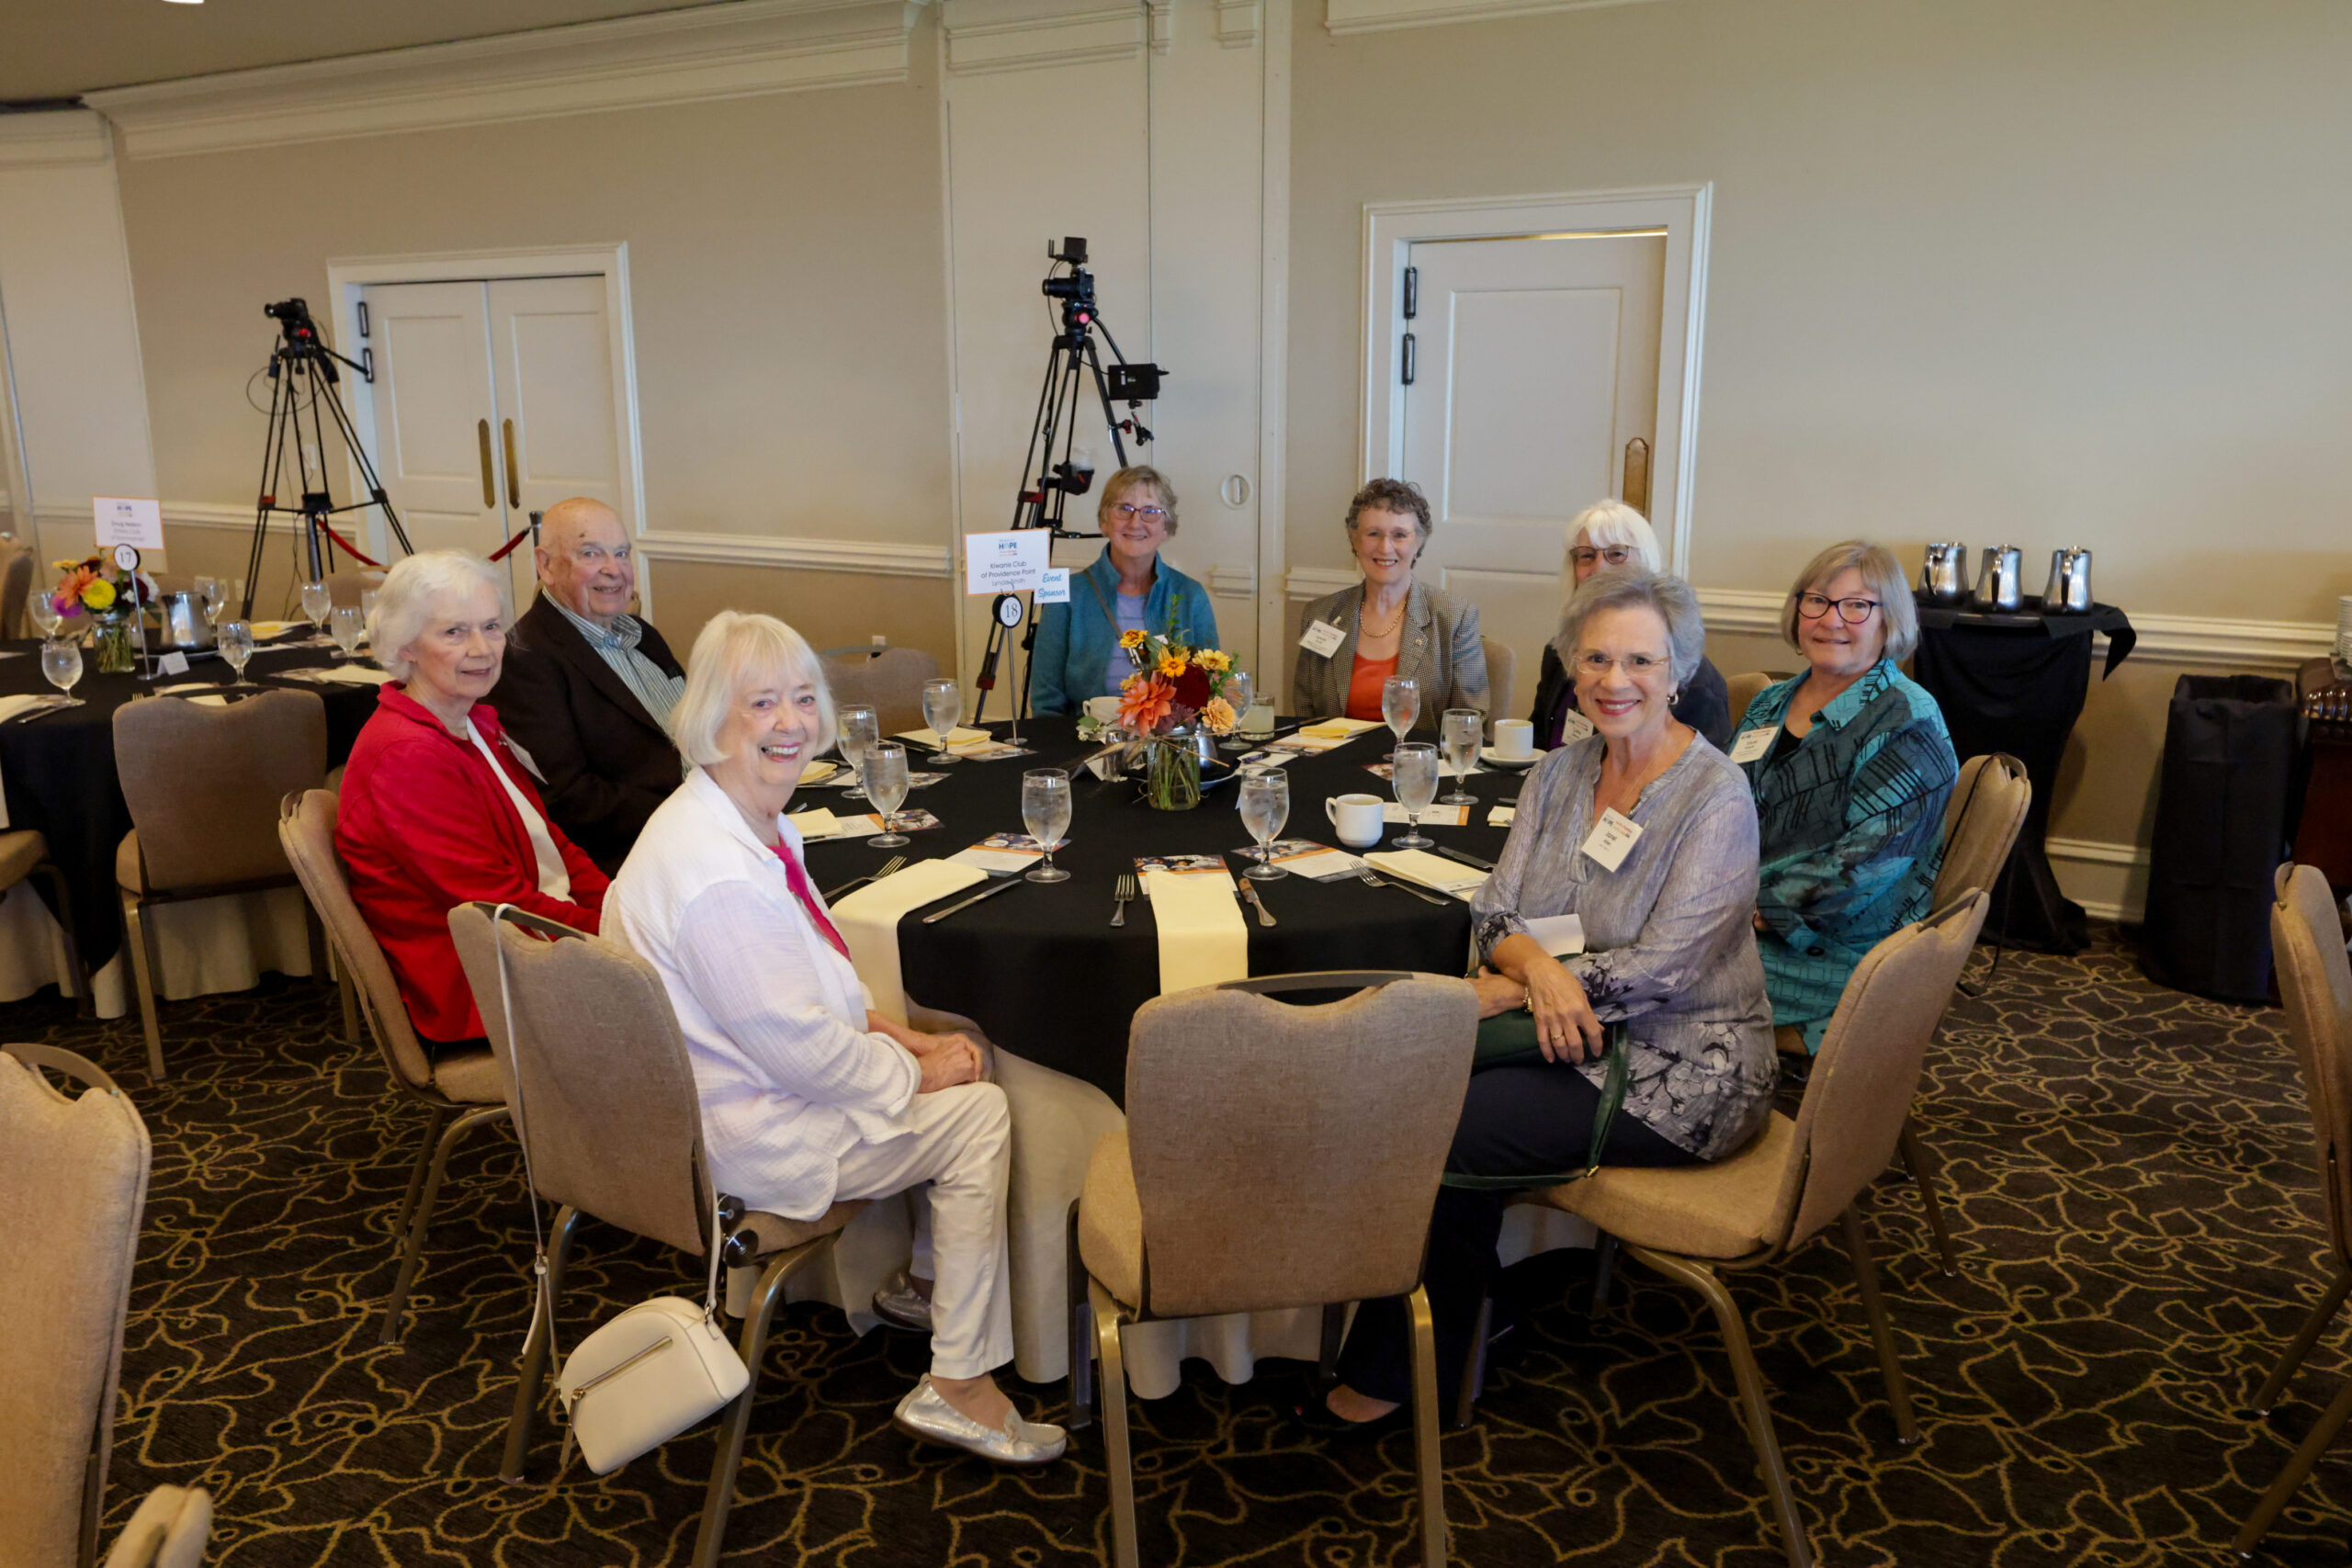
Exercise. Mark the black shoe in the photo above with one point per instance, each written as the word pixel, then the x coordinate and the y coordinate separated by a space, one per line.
pixel 1314 1417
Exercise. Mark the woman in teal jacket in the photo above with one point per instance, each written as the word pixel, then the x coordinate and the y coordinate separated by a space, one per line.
pixel 1128 588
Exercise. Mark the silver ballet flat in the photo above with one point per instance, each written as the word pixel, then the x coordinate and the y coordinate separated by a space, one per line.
pixel 925 1414
pixel 900 1306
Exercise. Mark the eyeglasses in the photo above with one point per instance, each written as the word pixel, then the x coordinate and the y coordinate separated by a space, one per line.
pixel 1637 666
pixel 1615 555
pixel 1853 612
pixel 1126 510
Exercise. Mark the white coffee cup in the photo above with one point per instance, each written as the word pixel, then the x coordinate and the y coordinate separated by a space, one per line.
pixel 1514 738
pixel 1103 709
pixel 1359 820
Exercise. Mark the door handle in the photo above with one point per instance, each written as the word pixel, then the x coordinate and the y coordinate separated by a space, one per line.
pixel 1637 475
pixel 489 485
pixel 514 480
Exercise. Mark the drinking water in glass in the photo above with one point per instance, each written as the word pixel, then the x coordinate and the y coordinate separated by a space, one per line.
pixel 1414 776
pixel 236 640
pixel 346 626
pixel 61 660
pixel 1238 692
pixel 1460 729
pixel 857 727
pixel 1400 705
pixel 943 706
pixel 1265 808
pixel 1044 811
pixel 886 786
pixel 317 600
pixel 42 609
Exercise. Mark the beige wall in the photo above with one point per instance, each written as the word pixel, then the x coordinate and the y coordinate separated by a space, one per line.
pixel 833 609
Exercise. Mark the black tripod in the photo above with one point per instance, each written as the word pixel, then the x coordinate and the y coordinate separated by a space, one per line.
pixel 1041 500
pixel 300 356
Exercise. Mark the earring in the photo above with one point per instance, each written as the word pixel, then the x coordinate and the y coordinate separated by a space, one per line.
pixel 1674 696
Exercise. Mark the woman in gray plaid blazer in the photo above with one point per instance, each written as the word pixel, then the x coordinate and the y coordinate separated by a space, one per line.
pixel 1393 624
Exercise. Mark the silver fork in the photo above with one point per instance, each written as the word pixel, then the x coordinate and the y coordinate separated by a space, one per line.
pixel 1364 871
pixel 890 867
pixel 1126 893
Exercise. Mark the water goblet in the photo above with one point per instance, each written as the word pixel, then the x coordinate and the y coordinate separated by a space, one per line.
pixel 1400 705
pixel 1044 811
pixel 345 624
pixel 859 729
pixel 1413 774
pixel 317 600
pixel 236 640
pixel 61 662
pixel 1265 807
pixel 215 591
pixel 886 786
pixel 42 610
pixel 943 706
pixel 1237 693
pixel 1460 729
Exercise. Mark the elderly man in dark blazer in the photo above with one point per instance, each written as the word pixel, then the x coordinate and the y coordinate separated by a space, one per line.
pixel 588 688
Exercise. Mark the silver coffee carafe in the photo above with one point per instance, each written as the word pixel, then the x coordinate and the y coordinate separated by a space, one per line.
pixel 1996 579
pixel 2076 574
pixel 1944 577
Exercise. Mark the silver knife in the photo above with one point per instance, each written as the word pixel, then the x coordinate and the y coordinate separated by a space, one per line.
pixel 1471 860
pixel 968 903
pixel 1250 891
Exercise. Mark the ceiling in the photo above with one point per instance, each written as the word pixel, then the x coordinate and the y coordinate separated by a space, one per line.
pixel 58 49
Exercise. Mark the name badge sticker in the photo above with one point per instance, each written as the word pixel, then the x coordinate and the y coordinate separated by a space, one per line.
pixel 1574 727
pixel 1753 744
pixel 1323 639
pixel 1612 839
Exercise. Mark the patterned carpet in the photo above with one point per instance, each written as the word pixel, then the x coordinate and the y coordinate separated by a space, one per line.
pixel 2139 1234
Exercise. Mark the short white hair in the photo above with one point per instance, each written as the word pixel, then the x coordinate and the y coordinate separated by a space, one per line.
pixel 734 651
pixel 1601 524
pixel 412 591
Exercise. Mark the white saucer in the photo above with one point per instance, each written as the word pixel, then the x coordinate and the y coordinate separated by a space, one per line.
pixel 1488 757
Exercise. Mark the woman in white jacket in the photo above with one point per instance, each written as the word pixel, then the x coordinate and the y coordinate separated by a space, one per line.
pixel 807 1095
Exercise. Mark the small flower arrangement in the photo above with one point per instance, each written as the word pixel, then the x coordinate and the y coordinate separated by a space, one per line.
pixel 88 586
pixel 1175 691
pixel 94 588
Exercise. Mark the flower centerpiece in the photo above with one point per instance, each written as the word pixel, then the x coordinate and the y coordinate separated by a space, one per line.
pixel 1175 693
pixel 93 588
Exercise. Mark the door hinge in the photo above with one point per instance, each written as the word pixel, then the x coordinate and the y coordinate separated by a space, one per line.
pixel 1409 359
pixel 368 364
pixel 1412 294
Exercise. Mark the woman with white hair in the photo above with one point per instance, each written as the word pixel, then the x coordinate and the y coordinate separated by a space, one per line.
pixel 1605 537
pixel 437 807
pixel 807 1095
pixel 1646 835
pixel 1852 771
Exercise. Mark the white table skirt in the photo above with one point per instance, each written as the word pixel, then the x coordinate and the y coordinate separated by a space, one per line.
pixel 203 946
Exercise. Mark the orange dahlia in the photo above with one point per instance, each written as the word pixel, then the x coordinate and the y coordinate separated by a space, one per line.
pixel 1144 702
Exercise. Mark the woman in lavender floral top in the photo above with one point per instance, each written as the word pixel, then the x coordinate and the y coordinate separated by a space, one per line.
pixel 1670 952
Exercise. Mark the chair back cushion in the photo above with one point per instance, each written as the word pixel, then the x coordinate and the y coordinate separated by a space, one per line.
pixel 16 586
pixel 72 1182
pixel 1982 820
pixel 1740 691
pixel 1502 679
pixel 1289 1155
pixel 890 682
pixel 1867 1071
pixel 305 834
pixel 205 784
pixel 2315 982
pixel 606 1091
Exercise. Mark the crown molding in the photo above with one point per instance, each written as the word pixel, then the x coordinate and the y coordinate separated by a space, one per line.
pixel 740 50
pixel 871 557
pixel 1022 35
pixel 58 138
pixel 1387 16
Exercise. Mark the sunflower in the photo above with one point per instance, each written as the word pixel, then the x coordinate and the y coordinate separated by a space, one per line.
pixel 1131 640
pixel 1172 665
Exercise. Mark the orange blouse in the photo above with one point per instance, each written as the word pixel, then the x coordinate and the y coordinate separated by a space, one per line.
pixel 1364 686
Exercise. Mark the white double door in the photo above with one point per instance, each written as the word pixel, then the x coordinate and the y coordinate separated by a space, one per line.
pixel 494 400
pixel 1536 366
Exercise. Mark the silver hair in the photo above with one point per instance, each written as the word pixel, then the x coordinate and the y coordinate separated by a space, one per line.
pixel 1670 597
pixel 1602 523
pixel 412 588
pixel 1888 585
pixel 734 650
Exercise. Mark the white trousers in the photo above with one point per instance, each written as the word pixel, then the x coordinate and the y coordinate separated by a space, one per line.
pixel 961 1145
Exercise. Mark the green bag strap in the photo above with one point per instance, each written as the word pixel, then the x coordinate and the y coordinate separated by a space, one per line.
pixel 1618 1056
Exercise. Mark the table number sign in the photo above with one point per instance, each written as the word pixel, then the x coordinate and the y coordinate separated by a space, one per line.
pixel 123 520
pixel 1006 563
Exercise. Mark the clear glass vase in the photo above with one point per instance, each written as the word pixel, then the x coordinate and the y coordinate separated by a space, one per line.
pixel 1172 780
pixel 110 644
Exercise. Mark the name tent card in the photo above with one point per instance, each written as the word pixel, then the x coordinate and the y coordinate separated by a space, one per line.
pixel 1015 563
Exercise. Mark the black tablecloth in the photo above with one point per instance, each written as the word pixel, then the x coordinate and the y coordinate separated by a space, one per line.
pixel 1041 970
pixel 2016 683
pixel 60 774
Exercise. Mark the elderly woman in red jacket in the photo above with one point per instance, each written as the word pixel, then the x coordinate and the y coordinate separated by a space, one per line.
pixel 438 807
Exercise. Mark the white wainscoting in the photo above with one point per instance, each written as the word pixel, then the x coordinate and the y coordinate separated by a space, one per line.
pixel 1386 15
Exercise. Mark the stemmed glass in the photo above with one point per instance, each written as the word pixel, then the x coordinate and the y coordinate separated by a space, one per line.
pixel 61 660
pixel 1265 807
pixel 215 590
pixel 1400 705
pixel 859 729
pixel 1460 729
pixel 236 639
pixel 42 609
pixel 1238 693
pixel 1415 777
pixel 886 786
pixel 317 600
pixel 943 706
pixel 345 624
pixel 1044 811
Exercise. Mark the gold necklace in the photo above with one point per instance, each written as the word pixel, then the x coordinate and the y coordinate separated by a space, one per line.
pixel 1394 621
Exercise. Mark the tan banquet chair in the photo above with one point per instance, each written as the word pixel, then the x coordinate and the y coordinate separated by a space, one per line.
pixel 16 587
pixel 72 1185
pixel 1502 680
pixel 888 679
pixel 609 1105
pixel 1795 1179
pixel 344 587
pixel 204 784
pixel 1743 689
pixel 1244 1181
pixel 2315 982
pixel 23 853
pixel 462 1084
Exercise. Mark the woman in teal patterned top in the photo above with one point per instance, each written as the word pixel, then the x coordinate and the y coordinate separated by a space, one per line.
pixel 1851 766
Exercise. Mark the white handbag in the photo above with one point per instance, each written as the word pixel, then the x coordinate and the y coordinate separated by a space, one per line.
pixel 649 1374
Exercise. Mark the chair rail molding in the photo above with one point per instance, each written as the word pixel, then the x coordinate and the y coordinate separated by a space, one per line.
pixel 1300 583
pixel 1020 35
pixel 1386 15
pixel 54 141
pixel 873 557
pixel 741 49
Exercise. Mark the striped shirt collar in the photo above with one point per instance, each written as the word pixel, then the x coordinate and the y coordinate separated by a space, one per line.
pixel 623 637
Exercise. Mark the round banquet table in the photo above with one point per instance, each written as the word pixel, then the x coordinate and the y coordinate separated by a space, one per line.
pixel 58 768
pixel 1041 968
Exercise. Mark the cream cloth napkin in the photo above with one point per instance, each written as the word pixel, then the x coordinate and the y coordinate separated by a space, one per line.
pixel 962 735
pixel 349 675
pixel 205 691
pixel 265 630
pixel 868 921
pixel 1433 872
pixel 1339 729
pixel 1202 939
